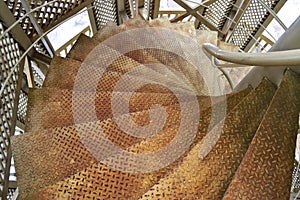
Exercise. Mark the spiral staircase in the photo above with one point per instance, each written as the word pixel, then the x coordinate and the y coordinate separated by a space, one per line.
pixel 68 149
pixel 148 109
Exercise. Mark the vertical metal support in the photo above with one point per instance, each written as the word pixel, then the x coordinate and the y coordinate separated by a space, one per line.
pixel 12 130
pixel 133 9
pixel 92 19
pixel 122 16
pixel 156 8
pixel 37 27
pixel 29 74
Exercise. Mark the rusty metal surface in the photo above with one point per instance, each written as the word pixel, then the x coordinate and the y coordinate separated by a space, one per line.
pixel 66 156
pixel 266 169
pixel 51 107
pixel 44 157
pixel 144 56
pixel 101 181
pixel 82 47
pixel 64 71
pixel 208 177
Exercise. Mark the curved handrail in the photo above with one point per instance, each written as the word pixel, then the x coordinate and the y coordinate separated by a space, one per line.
pixel 32 46
pixel 224 72
pixel 270 59
pixel 31 11
pixel 220 64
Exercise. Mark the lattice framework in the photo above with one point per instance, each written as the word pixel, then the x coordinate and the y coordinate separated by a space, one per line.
pixel 9 57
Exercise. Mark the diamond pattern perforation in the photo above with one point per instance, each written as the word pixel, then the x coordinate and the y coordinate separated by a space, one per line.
pixel 266 169
pixel 47 107
pixel 251 21
pixel 46 16
pixel 9 57
pixel 105 11
pixel 102 181
pixel 208 178
pixel 67 150
pixel 218 11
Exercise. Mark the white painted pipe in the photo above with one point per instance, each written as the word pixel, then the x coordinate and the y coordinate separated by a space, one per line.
pixel 270 59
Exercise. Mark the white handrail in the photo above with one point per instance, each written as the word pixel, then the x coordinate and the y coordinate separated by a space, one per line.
pixel 224 72
pixel 270 59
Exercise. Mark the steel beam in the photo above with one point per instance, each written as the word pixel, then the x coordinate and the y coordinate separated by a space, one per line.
pixel 38 29
pixel 199 8
pixel 69 14
pixel 92 19
pixel 156 9
pixel 19 35
pixel 29 74
pixel 202 19
pixel 122 15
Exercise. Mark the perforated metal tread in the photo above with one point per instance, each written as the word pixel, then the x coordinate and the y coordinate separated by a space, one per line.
pixel 181 68
pixel 100 181
pixel 266 169
pixel 51 107
pixel 140 54
pixel 65 152
pixel 156 40
pixel 64 72
pixel 83 46
pixel 206 176
pixel 143 55
pixel 47 156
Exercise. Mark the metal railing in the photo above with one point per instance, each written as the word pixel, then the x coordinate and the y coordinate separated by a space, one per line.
pixel 173 14
pixel 242 22
pixel 65 48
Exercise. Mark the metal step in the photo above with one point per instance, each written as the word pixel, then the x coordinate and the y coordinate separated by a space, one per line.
pixel 51 107
pixel 266 169
pixel 103 181
pixel 209 167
